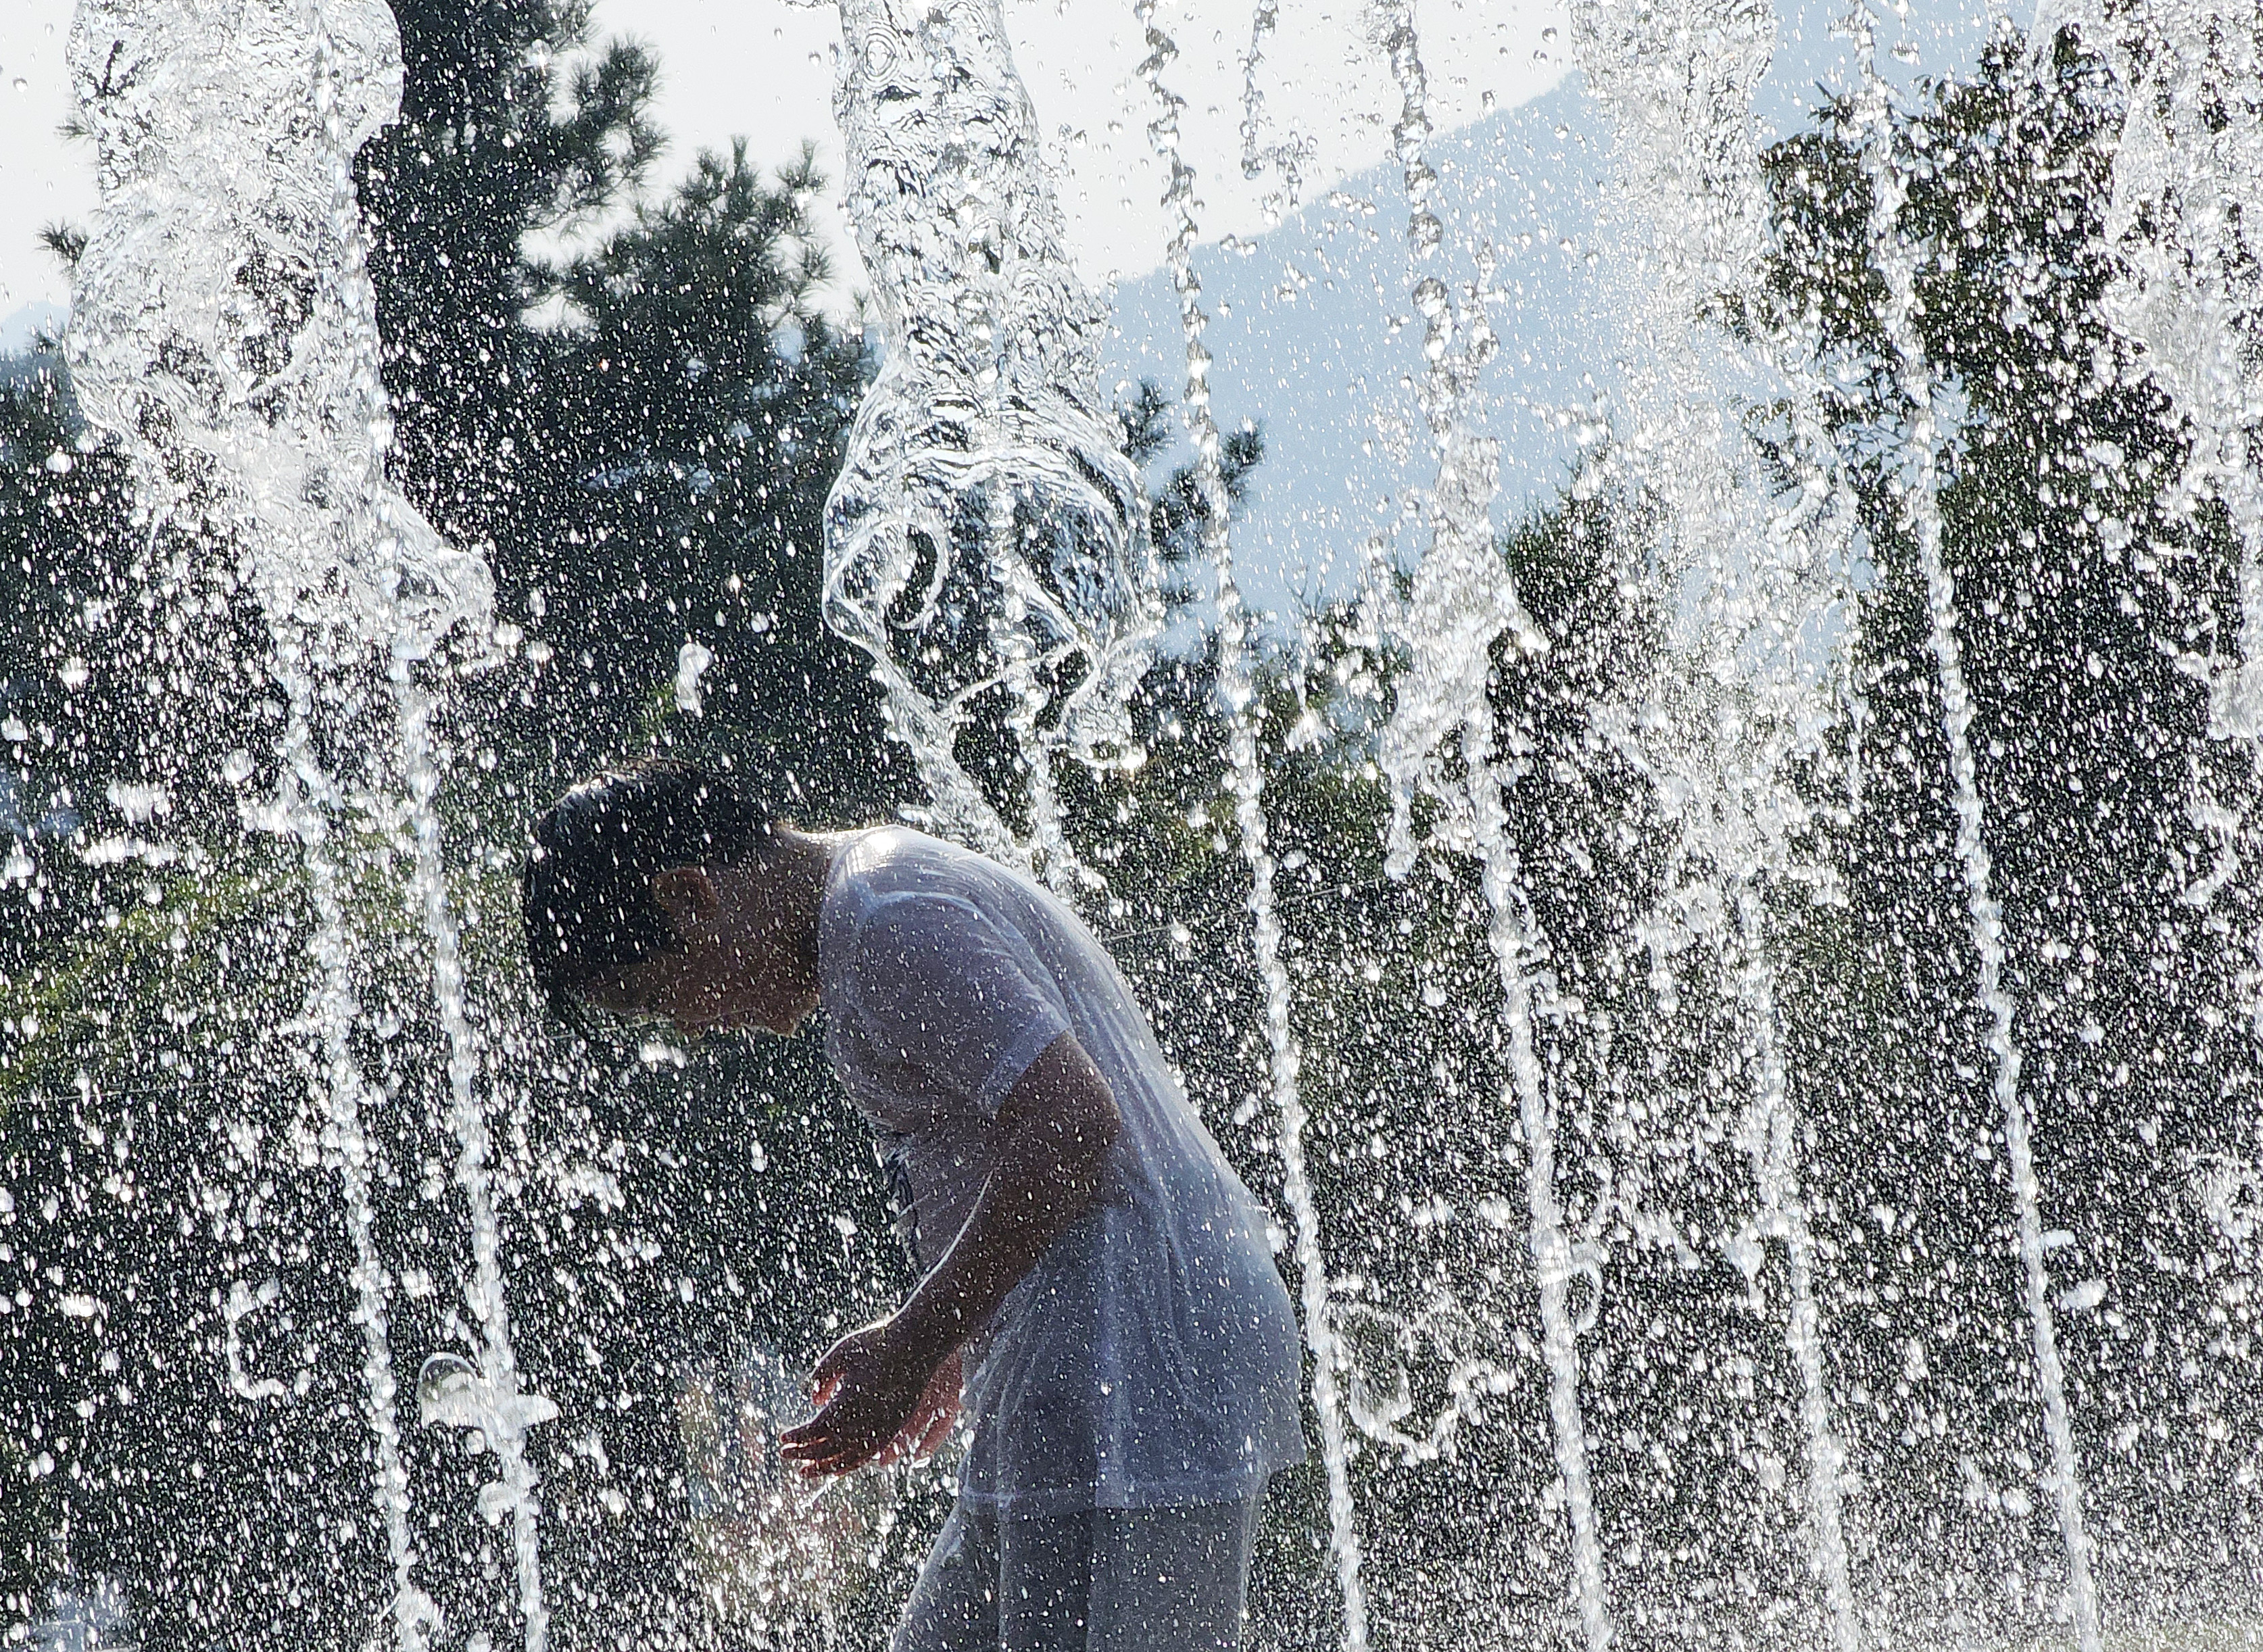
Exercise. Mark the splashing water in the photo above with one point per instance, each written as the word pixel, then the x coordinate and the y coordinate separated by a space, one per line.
pixel 985 497
pixel 1247 781
pixel 1888 188
pixel 2187 195
pixel 1726 710
pixel 191 311
pixel 485 1398
pixel 986 546
pixel 1461 582
pixel 1463 600
pixel 224 330
pixel 1293 152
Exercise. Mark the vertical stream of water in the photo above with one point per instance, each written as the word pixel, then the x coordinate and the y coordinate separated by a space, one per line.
pixel 155 300
pixel 397 539
pixel 306 806
pixel 2185 212
pixel 227 139
pixel 1246 777
pixel 1288 156
pixel 1462 601
pixel 1775 1151
pixel 1677 85
pixel 985 510
pixel 1896 260
pixel 486 1396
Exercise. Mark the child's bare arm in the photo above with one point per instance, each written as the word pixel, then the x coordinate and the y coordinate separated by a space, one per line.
pixel 1051 1134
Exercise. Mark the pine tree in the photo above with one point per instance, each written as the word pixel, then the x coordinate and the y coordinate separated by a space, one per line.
pixel 640 433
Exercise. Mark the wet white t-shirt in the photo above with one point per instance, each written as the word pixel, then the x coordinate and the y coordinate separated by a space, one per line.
pixel 1151 1357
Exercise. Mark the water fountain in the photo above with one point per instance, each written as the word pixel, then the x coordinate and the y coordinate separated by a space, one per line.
pixel 1735 698
pixel 2187 174
pixel 1708 1226
pixel 988 393
pixel 1461 604
pixel 1888 190
pixel 231 344
pixel 1285 1058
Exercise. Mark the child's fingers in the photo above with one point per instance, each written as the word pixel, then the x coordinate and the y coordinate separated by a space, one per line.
pixel 825 1382
pixel 838 1462
pixel 819 1446
pixel 935 1423
pixel 806 1438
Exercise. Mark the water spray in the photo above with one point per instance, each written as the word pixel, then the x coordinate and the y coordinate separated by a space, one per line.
pixel 1896 260
pixel 985 498
pixel 1246 779
pixel 291 471
pixel 1463 600
pixel 1678 89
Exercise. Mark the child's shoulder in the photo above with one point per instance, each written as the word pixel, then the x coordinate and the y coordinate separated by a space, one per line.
pixel 889 868
pixel 895 860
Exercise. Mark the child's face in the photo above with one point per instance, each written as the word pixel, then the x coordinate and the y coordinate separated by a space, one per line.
pixel 736 967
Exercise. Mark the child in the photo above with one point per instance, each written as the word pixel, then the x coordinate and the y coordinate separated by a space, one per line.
pixel 1097 1291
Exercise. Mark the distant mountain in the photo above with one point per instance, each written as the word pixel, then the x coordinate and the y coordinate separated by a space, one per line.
pixel 1314 332
pixel 21 330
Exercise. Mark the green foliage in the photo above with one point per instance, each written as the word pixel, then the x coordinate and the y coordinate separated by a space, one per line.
pixel 112 1076
pixel 495 146
pixel 640 434
pixel 686 422
pixel 1178 514
pixel 105 620
pixel 2094 603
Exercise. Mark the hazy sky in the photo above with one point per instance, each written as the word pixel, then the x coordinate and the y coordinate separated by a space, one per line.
pixel 41 178
pixel 764 68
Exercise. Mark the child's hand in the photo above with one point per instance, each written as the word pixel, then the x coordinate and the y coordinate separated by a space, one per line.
pixel 871 1395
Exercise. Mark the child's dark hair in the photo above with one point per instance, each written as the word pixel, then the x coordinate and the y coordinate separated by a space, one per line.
pixel 585 893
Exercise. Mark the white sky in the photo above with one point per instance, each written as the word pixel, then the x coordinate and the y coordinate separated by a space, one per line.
pixel 41 179
pixel 763 69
